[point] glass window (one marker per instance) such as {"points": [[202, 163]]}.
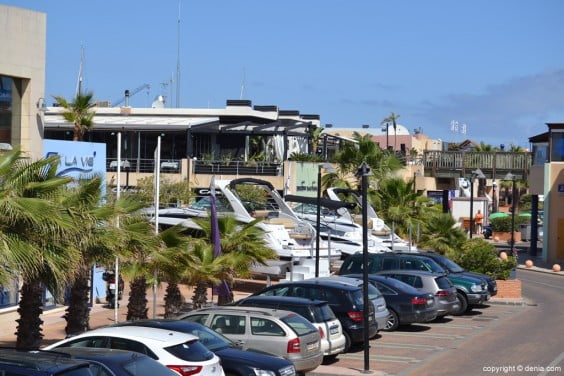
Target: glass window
{"points": [[557, 146], [279, 291], [98, 342], [299, 325], [82, 371], [6, 95], [200, 319], [390, 263], [99, 370], [228, 324], [384, 289], [191, 351], [130, 345], [323, 313], [265, 327], [443, 283], [300, 310], [142, 366], [540, 154]]}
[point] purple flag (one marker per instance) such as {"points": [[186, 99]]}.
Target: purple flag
{"points": [[223, 288]]}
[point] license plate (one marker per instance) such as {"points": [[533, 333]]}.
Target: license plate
{"points": [[334, 330], [112, 286], [312, 346]]}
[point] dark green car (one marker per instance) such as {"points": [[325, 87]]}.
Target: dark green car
{"points": [[470, 290]]}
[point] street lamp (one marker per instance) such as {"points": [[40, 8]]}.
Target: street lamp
{"points": [[364, 172], [328, 168], [512, 177], [480, 175], [494, 197], [385, 128]]}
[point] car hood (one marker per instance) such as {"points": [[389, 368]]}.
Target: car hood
{"points": [[478, 275], [463, 278], [252, 358]]}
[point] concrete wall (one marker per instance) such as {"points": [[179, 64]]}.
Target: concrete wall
{"points": [[22, 55]]}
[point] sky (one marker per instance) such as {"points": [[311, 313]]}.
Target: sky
{"points": [[495, 66]]}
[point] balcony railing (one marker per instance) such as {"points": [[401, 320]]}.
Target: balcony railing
{"points": [[253, 168], [487, 161], [173, 166]]}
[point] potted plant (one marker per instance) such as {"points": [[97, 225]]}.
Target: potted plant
{"points": [[501, 228]]}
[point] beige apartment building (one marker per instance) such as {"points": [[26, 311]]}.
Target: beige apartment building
{"points": [[22, 79]]}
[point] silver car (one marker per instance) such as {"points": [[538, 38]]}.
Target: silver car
{"points": [[277, 332], [436, 284], [381, 312]]}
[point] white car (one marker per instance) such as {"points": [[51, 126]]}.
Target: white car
{"points": [[181, 352]]}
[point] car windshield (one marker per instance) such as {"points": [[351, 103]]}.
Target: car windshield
{"points": [[192, 351], [142, 366], [451, 266], [435, 268], [298, 324], [211, 339], [81, 371], [323, 313]]}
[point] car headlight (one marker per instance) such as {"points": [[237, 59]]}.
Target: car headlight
{"points": [[263, 372], [476, 288]]}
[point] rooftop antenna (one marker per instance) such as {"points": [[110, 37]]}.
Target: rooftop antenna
{"points": [[178, 61], [243, 85], [80, 72]]}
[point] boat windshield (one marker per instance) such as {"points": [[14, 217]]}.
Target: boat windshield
{"points": [[204, 203]]}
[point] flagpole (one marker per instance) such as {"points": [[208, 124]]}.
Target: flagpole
{"points": [[157, 204], [116, 294]]}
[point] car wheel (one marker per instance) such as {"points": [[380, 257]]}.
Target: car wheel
{"points": [[462, 304], [348, 342], [392, 322]]}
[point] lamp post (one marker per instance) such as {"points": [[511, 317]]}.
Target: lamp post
{"points": [[494, 197], [480, 175], [386, 129], [328, 168], [364, 172], [511, 177]]}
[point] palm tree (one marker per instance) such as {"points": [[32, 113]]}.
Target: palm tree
{"points": [[33, 230], [315, 134], [392, 119], [79, 112], [351, 157], [396, 202], [484, 147], [441, 235]]}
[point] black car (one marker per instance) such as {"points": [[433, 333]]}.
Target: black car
{"points": [[234, 361], [470, 290], [406, 304], [453, 268], [346, 301], [39, 363], [111, 362]]}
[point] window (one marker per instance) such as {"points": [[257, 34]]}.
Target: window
{"points": [[557, 146], [200, 319], [384, 289], [228, 324], [265, 327], [299, 325], [130, 345], [281, 291], [443, 283], [390, 263], [191, 351], [142, 366], [98, 342], [99, 370], [413, 264]]}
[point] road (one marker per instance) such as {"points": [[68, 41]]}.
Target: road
{"points": [[533, 337]]}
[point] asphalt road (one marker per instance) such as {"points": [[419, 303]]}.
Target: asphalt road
{"points": [[528, 342]]}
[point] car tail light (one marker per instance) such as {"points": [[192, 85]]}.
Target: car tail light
{"points": [[418, 300], [294, 345], [442, 293], [186, 370], [355, 316], [321, 333]]}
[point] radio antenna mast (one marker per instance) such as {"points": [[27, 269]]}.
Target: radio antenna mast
{"points": [[80, 72], [243, 85], [178, 61]]}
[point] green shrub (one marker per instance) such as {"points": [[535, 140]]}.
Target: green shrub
{"points": [[477, 255], [503, 224]]}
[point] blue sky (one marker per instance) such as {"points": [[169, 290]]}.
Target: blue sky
{"points": [[496, 66]]}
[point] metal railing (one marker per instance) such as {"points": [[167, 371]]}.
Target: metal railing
{"points": [[173, 166], [258, 168], [491, 161]]}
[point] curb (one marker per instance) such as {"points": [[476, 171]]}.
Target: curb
{"points": [[536, 269], [336, 370]]}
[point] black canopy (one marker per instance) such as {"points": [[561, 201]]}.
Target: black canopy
{"points": [[329, 204]]}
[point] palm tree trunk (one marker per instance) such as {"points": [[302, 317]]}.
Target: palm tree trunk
{"points": [[29, 332], [137, 306], [200, 296], [78, 312], [173, 300]]}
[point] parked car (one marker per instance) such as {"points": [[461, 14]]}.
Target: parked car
{"points": [[277, 332], [180, 352], [453, 268], [346, 301], [234, 361], [110, 362], [317, 312], [405, 303], [436, 284], [469, 290], [36, 363]]}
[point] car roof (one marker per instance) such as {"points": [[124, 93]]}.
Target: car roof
{"points": [[320, 282], [411, 272], [169, 337], [39, 360], [284, 300], [95, 353], [167, 324], [256, 310], [387, 280]]}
